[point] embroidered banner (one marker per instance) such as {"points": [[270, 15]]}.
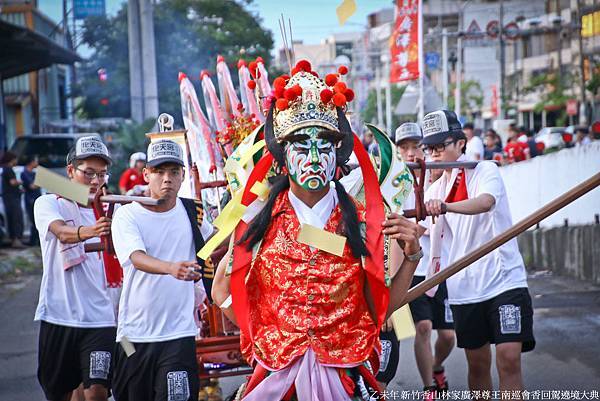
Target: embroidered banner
{"points": [[404, 42]]}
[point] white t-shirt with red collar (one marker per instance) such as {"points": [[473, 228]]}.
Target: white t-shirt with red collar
{"points": [[78, 296], [497, 272]]}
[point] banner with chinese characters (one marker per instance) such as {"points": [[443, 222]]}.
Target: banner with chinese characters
{"points": [[404, 42]]}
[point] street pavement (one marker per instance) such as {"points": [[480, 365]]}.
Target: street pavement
{"points": [[567, 357]]}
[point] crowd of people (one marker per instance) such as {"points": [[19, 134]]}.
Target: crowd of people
{"points": [[13, 190], [317, 260], [520, 143], [142, 347]]}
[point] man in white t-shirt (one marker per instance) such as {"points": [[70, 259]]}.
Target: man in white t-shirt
{"points": [[156, 247], [428, 313], [475, 149], [77, 316], [489, 299]]}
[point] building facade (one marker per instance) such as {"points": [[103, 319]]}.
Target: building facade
{"points": [[35, 99]]}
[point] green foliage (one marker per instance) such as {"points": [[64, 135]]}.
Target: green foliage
{"points": [[552, 90], [594, 84], [369, 113], [130, 138], [471, 94], [184, 41]]}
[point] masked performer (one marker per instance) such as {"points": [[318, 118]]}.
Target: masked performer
{"points": [[310, 314]]}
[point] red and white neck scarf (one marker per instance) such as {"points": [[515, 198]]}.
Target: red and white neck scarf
{"points": [[452, 188]]}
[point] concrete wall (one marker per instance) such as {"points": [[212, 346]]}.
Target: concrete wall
{"points": [[533, 183], [568, 251]]}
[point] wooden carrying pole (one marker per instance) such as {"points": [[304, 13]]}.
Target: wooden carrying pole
{"points": [[506, 236], [128, 199]]}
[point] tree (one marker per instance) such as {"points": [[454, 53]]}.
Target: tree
{"points": [[369, 113], [189, 34], [551, 87], [130, 138], [472, 97]]}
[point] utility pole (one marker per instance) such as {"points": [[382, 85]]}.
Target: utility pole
{"points": [[421, 112], [378, 93], [148, 59], [582, 108], [459, 61], [457, 96], [445, 66], [558, 24], [502, 61], [388, 94], [142, 60], [136, 92], [69, 71]]}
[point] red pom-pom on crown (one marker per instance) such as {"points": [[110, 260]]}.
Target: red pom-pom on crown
{"points": [[304, 65]]}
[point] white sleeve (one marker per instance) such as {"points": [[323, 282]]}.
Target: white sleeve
{"points": [[206, 228], [45, 212], [490, 182], [480, 148], [126, 236]]}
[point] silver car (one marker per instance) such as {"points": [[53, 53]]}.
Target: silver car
{"points": [[551, 137]]}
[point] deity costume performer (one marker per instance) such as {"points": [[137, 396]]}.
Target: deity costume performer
{"points": [[310, 314]]}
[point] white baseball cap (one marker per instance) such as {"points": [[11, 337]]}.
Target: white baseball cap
{"points": [[164, 151], [439, 125], [88, 146], [408, 131]]}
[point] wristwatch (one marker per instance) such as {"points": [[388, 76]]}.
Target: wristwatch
{"points": [[415, 257]]}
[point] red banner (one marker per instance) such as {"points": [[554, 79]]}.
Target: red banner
{"points": [[404, 42], [494, 100]]}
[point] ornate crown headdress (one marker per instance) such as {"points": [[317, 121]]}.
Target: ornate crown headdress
{"points": [[303, 99]]}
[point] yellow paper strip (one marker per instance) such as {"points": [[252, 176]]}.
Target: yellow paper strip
{"points": [[227, 228], [250, 153], [229, 208], [226, 222], [231, 165], [403, 323], [62, 186], [321, 239], [261, 190], [345, 10]]}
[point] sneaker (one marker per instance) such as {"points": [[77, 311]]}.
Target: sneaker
{"points": [[429, 393], [440, 381]]}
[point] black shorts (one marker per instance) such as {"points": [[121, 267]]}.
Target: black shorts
{"points": [[161, 371], [435, 309], [508, 317], [390, 355], [68, 356]]}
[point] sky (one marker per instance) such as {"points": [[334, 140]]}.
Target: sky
{"points": [[312, 20]]}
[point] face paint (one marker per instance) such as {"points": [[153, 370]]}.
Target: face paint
{"points": [[311, 162]]}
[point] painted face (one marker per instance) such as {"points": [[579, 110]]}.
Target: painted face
{"points": [[311, 161]]}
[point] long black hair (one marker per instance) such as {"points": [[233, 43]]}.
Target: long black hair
{"points": [[350, 226]]}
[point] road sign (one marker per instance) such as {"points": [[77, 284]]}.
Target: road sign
{"points": [[473, 31], [432, 60], [511, 30], [492, 29], [87, 8], [571, 107]]}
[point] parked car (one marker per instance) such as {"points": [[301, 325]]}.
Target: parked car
{"points": [[51, 150], [553, 138]]}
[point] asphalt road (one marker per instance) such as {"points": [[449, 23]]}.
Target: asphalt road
{"points": [[567, 355]]}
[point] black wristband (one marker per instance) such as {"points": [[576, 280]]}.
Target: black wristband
{"points": [[78, 236]]}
